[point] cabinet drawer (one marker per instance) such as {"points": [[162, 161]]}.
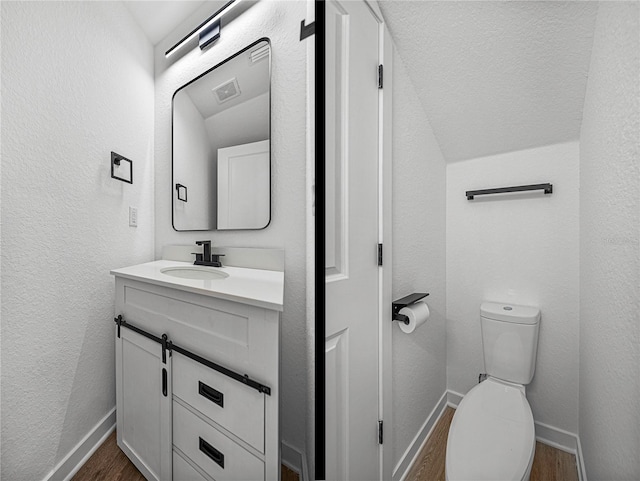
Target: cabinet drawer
{"points": [[232, 405], [183, 471], [212, 451]]}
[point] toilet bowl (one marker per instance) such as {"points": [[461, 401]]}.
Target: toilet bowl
{"points": [[492, 435]]}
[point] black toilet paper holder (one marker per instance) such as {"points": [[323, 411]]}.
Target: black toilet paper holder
{"points": [[404, 302]]}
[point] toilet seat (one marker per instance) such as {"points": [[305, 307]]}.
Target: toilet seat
{"points": [[492, 435]]}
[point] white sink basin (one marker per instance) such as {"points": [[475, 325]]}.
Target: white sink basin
{"points": [[195, 272]]}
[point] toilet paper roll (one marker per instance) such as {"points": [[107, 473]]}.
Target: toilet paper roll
{"points": [[418, 313]]}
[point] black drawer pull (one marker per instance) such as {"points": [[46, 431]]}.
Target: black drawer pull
{"points": [[212, 452], [164, 382], [211, 394]]}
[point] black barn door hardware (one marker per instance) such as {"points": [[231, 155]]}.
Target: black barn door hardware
{"points": [[404, 302], [122, 323], [244, 379], [548, 189], [167, 345]]}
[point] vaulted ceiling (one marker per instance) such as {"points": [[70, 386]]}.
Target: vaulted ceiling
{"points": [[496, 76], [159, 18], [492, 76]]}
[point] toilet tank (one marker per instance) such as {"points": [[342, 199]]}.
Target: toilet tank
{"points": [[510, 340]]}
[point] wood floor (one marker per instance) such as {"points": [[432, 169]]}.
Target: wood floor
{"points": [[549, 464], [109, 463]]}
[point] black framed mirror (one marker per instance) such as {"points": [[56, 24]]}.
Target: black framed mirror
{"points": [[221, 138]]}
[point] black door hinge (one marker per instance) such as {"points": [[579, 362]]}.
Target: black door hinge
{"points": [[380, 75], [379, 254], [380, 433]]}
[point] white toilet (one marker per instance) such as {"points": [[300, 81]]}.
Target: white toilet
{"points": [[492, 436]]}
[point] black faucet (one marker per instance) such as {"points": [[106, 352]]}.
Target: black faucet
{"points": [[207, 258]]}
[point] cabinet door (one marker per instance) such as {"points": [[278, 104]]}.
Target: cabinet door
{"points": [[143, 404]]}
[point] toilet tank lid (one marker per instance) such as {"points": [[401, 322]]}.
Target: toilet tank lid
{"points": [[510, 313]]}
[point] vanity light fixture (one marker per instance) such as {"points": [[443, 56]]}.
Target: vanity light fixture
{"points": [[208, 31]]}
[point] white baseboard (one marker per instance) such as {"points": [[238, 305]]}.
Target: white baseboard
{"points": [[454, 398], [582, 471], [564, 441], [79, 455], [295, 460], [408, 458], [556, 437]]}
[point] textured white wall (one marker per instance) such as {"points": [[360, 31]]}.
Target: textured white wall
{"points": [[521, 249], [419, 369], [610, 249], [280, 21], [77, 82]]}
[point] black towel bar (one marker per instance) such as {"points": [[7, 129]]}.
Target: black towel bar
{"points": [[548, 189]]}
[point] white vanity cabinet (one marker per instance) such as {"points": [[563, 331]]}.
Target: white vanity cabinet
{"points": [[200, 403]]}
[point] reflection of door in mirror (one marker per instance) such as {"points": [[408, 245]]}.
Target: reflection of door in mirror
{"points": [[224, 116], [242, 170]]}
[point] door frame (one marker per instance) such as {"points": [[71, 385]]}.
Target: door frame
{"points": [[316, 123], [385, 235], [385, 272], [386, 324]]}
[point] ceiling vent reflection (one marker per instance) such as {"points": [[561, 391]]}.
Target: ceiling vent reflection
{"points": [[227, 91]]}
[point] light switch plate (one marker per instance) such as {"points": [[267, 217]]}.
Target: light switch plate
{"points": [[133, 217]]}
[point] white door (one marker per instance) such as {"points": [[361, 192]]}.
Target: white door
{"points": [[352, 162], [244, 195]]}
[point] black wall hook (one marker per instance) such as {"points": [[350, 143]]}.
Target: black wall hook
{"points": [[307, 30]]}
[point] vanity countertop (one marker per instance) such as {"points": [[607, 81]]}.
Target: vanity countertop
{"points": [[256, 287]]}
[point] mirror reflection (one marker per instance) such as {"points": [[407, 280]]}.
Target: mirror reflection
{"points": [[221, 145]]}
